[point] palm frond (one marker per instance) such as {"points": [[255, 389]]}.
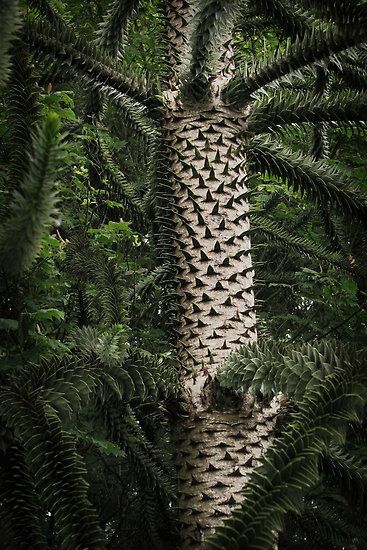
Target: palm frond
{"points": [[317, 181]]}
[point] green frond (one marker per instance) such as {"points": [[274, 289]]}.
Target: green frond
{"points": [[47, 10], [32, 209], [143, 455], [211, 28], [268, 368], [291, 19], [111, 292], [76, 54], [22, 526], [65, 384], [276, 232], [312, 48], [9, 25], [322, 525], [114, 27], [23, 111], [290, 466], [315, 180], [351, 76], [342, 12], [346, 473], [284, 108], [58, 470], [134, 115]]}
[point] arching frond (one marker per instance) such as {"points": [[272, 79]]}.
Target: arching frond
{"points": [[21, 512], [313, 47], [346, 473], [112, 31], [291, 19], [57, 468], [284, 108], [32, 209], [48, 11], [23, 114], [9, 24], [211, 28], [269, 368], [278, 233], [343, 12], [315, 180], [290, 466], [76, 54]]}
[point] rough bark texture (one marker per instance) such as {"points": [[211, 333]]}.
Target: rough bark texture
{"points": [[215, 449], [213, 244], [216, 452]]}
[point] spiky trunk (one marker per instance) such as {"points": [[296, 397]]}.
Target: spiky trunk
{"points": [[215, 448]]}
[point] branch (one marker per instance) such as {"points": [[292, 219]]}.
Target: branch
{"points": [[314, 47], [75, 54], [315, 180]]}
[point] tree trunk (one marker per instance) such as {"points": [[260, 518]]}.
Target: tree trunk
{"points": [[215, 448]]}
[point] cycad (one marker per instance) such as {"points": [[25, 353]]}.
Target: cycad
{"points": [[198, 126]]}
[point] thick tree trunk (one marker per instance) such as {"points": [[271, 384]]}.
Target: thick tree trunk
{"points": [[216, 449], [213, 243]]}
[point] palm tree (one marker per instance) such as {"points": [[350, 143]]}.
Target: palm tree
{"points": [[205, 125]]}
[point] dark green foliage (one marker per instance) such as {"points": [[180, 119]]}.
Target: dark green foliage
{"points": [[211, 28], [285, 108], [284, 15], [317, 181], [290, 466], [272, 230], [23, 112], [32, 208], [112, 30], [311, 48], [10, 23]]}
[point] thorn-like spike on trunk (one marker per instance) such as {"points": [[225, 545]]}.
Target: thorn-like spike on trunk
{"points": [[211, 271], [209, 197], [207, 165], [229, 204], [215, 210], [217, 247], [208, 234], [212, 176]]}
